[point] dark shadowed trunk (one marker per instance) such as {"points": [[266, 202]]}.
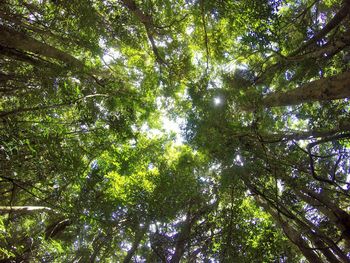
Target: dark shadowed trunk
{"points": [[140, 232], [292, 233]]}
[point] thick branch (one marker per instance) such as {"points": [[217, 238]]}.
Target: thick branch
{"points": [[57, 227], [324, 52], [182, 239]]}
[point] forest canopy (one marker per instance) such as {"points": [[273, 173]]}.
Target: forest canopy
{"points": [[175, 131]]}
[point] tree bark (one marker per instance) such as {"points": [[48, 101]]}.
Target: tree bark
{"points": [[321, 241], [148, 23], [292, 233], [4, 114], [331, 88], [182, 239], [342, 217], [328, 213], [185, 233], [21, 209], [317, 235], [331, 134], [20, 41], [22, 56], [138, 238]]}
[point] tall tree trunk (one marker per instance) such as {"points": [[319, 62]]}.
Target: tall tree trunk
{"points": [[292, 233], [324, 210], [148, 23], [22, 56], [4, 114], [182, 239], [322, 243], [20, 41], [23, 209], [97, 245], [324, 52], [327, 134], [342, 217], [185, 233], [331, 88], [138, 238]]}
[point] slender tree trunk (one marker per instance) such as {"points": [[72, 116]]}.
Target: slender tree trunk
{"points": [[342, 217], [182, 239], [97, 244], [292, 233], [324, 210], [4, 114], [41, 30], [148, 23], [138, 238], [142, 17], [341, 131], [322, 243], [325, 250], [328, 50], [331, 134]]}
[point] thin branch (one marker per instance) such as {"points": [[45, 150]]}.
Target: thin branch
{"points": [[205, 35], [311, 160], [175, 21], [147, 21]]}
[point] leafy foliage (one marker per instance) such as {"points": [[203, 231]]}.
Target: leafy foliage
{"points": [[90, 172]]}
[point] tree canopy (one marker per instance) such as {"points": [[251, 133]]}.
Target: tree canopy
{"points": [[91, 169]]}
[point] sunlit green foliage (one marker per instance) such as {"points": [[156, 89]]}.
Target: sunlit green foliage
{"points": [[89, 173]]}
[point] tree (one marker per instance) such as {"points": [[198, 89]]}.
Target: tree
{"points": [[88, 173]]}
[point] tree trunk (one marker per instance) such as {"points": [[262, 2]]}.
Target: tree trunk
{"points": [[327, 134], [292, 233], [4, 114], [324, 210], [182, 239], [21, 209], [148, 23], [322, 243], [342, 217], [18, 40], [22, 56], [331, 88], [138, 238]]}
